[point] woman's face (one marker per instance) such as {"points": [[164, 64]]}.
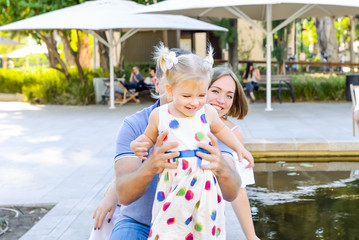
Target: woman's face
{"points": [[221, 93]]}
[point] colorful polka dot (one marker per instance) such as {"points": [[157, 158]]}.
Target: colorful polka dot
{"points": [[208, 185], [171, 221], [157, 237], [181, 192], [219, 198], [214, 230], [189, 195], [166, 205], [199, 136], [160, 196], [184, 164], [214, 215], [175, 188], [174, 124], [218, 232], [188, 221], [214, 179], [189, 171], [165, 139], [150, 235], [198, 227], [203, 118], [166, 177], [194, 180], [189, 236], [197, 204]]}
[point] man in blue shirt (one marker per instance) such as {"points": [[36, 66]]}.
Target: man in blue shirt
{"points": [[136, 180], [136, 80]]}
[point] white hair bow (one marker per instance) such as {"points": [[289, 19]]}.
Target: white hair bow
{"points": [[209, 59], [170, 59]]}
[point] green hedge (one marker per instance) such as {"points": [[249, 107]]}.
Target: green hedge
{"points": [[48, 86], [312, 87]]}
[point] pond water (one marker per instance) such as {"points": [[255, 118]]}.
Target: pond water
{"points": [[306, 200]]}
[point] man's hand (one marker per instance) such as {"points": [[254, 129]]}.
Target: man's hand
{"points": [[159, 159], [228, 179]]}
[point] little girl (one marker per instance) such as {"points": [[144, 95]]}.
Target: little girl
{"points": [[188, 202]]}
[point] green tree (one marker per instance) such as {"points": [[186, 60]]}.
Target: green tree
{"points": [[16, 10]]}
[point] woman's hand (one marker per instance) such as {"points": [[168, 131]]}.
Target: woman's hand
{"points": [[106, 206], [140, 147]]}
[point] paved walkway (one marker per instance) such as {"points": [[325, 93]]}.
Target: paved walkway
{"points": [[62, 155]]}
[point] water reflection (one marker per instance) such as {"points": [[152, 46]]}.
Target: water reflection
{"points": [[311, 201]]}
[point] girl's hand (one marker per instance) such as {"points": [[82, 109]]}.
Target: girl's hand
{"points": [[243, 153], [140, 147]]}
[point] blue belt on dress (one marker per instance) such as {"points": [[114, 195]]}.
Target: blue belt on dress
{"points": [[190, 153]]}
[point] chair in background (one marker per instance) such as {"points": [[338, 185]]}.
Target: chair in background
{"points": [[354, 91], [122, 94], [127, 95]]}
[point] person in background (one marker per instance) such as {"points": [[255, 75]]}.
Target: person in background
{"points": [[136, 80], [149, 81], [251, 77]]}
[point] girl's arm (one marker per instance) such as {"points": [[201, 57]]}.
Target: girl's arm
{"points": [[144, 142], [223, 133]]}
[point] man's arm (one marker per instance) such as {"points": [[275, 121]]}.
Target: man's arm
{"points": [[133, 177], [222, 167]]}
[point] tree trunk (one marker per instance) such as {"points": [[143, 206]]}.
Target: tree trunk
{"points": [[327, 39], [85, 53], [233, 48], [53, 55], [351, 44], [69, 57], [122, 56], [103, 52]]}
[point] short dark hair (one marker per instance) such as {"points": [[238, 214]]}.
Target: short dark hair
{"points": [[178, 52]]}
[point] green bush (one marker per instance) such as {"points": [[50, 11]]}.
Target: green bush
{"points": [[49, 86], [320, 87], [312, 87]]}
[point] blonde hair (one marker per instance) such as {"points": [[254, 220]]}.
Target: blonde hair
{"points": [[184, 67], [239, 108]]}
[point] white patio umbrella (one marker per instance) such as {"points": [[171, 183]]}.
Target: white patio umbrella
{"points": [[23, 52], [262, 10], [6, 41], [108, 15]]}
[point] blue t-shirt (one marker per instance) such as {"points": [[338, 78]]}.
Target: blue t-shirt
{"points": [[133, 126]]}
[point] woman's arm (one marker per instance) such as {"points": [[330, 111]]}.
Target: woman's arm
{"points": [[242, 210], [257, 74]]}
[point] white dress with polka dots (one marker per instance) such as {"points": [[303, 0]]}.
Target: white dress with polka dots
{"points": [[188, 202]]}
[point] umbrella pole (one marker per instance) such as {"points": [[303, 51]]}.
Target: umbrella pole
{"points": [[269, 51], [112, 77]]}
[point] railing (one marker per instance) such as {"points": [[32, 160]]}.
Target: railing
{"points": [[329, 65]]}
